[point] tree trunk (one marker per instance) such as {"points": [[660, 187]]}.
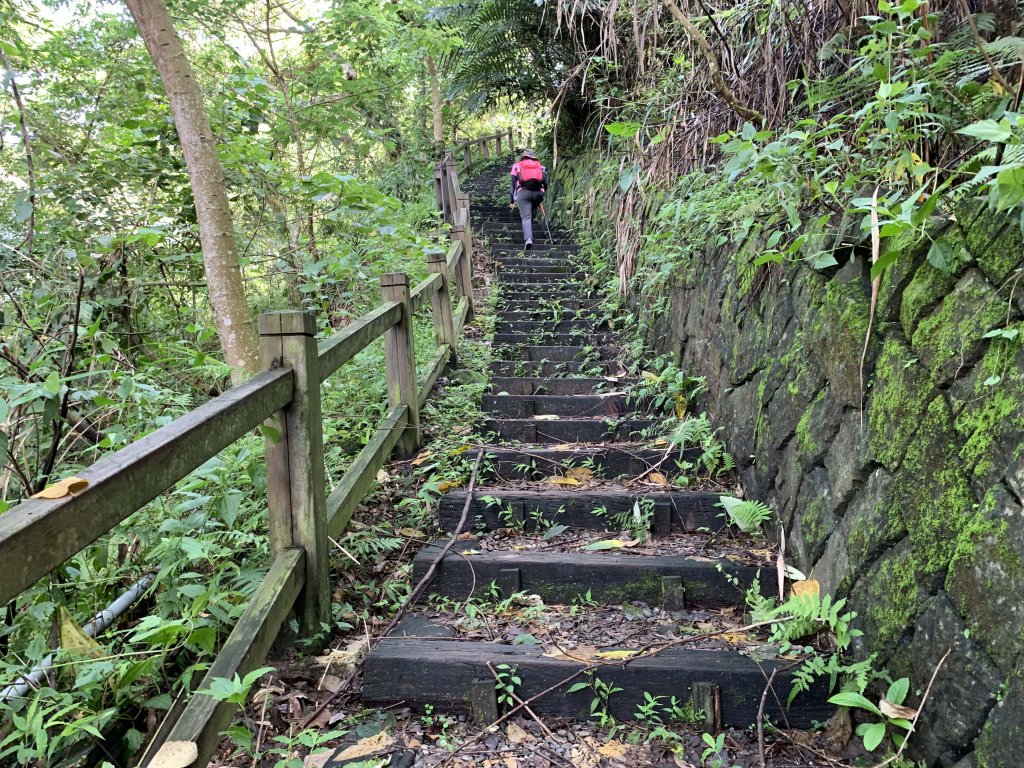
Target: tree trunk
{"points": [[435, 104], [216, 231]]}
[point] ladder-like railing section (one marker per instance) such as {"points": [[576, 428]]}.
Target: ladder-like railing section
{"points": [[39, 535]]}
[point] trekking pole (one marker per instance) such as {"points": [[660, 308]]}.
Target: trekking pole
{"points": [[547, 227]]}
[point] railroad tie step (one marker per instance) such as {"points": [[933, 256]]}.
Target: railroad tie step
{"points": [[611, 462], [613, 404], [673, 510], [566, 430]]}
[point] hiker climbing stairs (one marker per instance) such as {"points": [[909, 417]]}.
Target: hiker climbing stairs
{"points": [[584, 566]]}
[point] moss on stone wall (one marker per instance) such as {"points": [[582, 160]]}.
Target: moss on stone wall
{"points": [[898, 401]]}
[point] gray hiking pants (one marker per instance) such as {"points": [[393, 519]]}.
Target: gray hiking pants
{"points": [[527, 200]]}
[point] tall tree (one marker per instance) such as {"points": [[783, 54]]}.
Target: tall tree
{"points": [[213, 212]]}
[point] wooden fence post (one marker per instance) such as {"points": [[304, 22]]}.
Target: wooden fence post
{"points": [[441, 303], [467, 157], [439, 185], [296, 486], [485, 149], [497, 144], [461, 230], [400, 357]]}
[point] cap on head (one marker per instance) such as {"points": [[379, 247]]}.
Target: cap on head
{"points": [[528, 153]]}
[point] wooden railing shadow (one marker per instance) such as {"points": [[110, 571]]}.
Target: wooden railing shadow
{"points": [[39, 535]]}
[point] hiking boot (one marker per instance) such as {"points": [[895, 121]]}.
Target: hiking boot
{"points": [[528, 245]]}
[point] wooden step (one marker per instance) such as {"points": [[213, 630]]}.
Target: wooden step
{"points": [[563, 280], [567, 430], [540, 352], [540, 338], [675, 511], [532, 385], [446, 673], [548, 326], [552, 368], [560, 578], [594, 406], [561, 268], [608, 462], [539, 246]]}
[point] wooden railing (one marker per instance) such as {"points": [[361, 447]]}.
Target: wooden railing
{"points": [[39, 535], [482, 145]]}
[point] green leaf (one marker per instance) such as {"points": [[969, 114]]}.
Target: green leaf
{"points": [[824, 261], [873, 736], [553, 531], [940, 254], [624, 130], [1009, 188], [898, 690], [578, 687], [525, 639], [599, 546], [854, 699], [987, 130]]}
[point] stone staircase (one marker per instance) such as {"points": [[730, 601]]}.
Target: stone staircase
{"points": [[566, 448]]}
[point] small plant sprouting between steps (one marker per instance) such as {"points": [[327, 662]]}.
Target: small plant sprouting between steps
{"points": [[746, 514], [893, 716], [599, 704], [697, 432], [505, 684], [669, 391]]}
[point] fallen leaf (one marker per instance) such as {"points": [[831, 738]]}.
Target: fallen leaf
{"points": [[895, 710], [613, 749], [680, 407], [176, 754], [734, 637], [517, 735], [561, 447], [658, 478], [563, 481], [616, 654], [73, 637], [447, 485], [367, 746], [383, 476], [546, 417], [69, 486], [511, 761], [421, 457], [600, 546], [584, 654], [528, 600], [465, 536], [469, 552], [806, 588], [411, 533], [648, 376], [330, 683], [580, 473], [461, 449]]}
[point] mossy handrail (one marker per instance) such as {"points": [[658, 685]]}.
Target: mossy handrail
{"points": [[39, 535]]}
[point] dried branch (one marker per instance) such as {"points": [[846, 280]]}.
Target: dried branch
{"points": [[27, 144], [716, 70]]}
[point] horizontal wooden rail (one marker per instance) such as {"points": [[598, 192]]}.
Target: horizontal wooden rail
{"points": [[461, 312], [38, 535], [424, 292], [363, 471], [437, 364], [204, 717], [354, 338], [454, 254]]}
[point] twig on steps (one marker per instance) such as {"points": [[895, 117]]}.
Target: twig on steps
{"points": [[529, 711], [760, 718], [407, 603], [517, 708]]}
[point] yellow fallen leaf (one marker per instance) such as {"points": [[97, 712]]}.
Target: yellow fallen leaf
{"points": [[561, 447], [580, 473], [461, 449], [613, 749], [808, 588], [584, 654], [648, 376], [735, 637], [73, 637], [516, 735], [658, 478], [680, 407], [546, 417], [469, 552], [176, 754], [411, 533], [447, 485], [421, 457], [616, 654], [367, 746], [383, 476], [563, 481], [660, 441], [69, 486]]}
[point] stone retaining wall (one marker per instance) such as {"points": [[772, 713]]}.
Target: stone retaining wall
{"points": [[901, 488]]}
